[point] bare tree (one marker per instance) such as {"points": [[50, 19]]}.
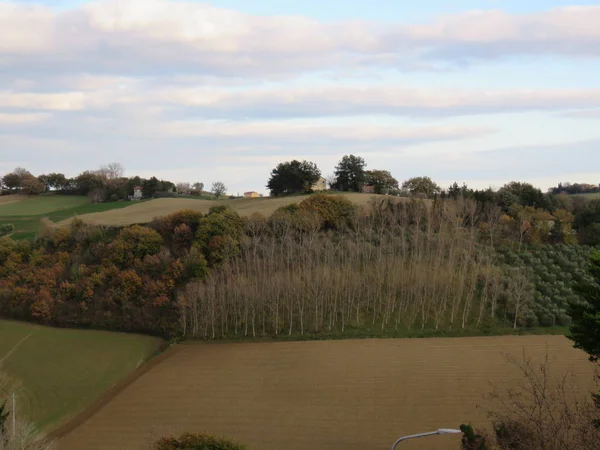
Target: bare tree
{"points": [[399, 266], [331, 180], [521, 291], [183, 188], [25, 436], [546, 411], [112, 170], [219, 188]]}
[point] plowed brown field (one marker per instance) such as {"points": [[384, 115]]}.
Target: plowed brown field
{"points": [[326, 395]]}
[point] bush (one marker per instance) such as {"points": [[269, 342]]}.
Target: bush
{"points": [[590, 235], [220, 221], [6, 229], [336, 211], [195, 265], [135, 242], [196, 442], [542, 412]]}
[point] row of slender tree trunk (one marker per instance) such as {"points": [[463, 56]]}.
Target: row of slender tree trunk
{"points": [[409, 268]]}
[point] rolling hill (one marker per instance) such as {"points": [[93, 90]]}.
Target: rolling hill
{"points": [[57, 373], [147, 211]]}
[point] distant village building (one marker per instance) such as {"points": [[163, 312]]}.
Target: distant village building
{"points": [[368, 189], [320, 185], [251, 194], [137, 193]]}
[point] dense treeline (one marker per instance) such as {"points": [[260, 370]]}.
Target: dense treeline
{"points": [[405, 265], [575, 188], [320, 266], [108, 183], [465, 258], [86, 276]]}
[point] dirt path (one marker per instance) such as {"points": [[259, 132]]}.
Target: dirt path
{"points": [[328, 395]]}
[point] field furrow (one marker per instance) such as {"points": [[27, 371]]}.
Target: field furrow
{"points": [[334, 395]]}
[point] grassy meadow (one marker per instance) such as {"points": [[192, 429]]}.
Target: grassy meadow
{"points": [[25, 213], [56, 373], [590, 196]]}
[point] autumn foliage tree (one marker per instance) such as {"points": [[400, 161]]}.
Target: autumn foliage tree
{"points": [[382, 180], [422, 186]]}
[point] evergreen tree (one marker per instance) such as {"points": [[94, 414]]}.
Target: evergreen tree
{"points": [[585, 330], [350, 173], [293, 177]]}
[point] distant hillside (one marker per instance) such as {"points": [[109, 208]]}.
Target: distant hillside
{"points": [[25, 213], [147, 211], [589, 196]]}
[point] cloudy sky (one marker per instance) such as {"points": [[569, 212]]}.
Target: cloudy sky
{"points": [[480, 91]]}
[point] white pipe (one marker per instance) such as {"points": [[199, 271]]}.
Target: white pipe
{"points": [[431, 433]]}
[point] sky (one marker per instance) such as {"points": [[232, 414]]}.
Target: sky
{"points": [[476, 91]]}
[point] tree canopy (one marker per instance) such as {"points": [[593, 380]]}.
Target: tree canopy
{"points": [[14, 180], [293, 177], [350, 173], [382, 180], [219, 188], [424, 186], [524, 194], [585, 329]]}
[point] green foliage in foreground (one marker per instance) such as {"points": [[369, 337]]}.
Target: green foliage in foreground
{"points": [[6, 228], [56, 373], [196, 442], [585, 331]]}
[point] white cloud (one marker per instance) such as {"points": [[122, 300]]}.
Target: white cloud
{"points": [[584, 114], [25, 29], [107, 93], [189, 91], [294, 132], [65, 101], [361, 100], [134, 36], [19, 119]]}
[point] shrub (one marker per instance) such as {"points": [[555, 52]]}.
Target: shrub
{"points": [[196, 442], [7, 247], [220, 221], [195, 265], [337, 212], [255, 225], [135, 242], [6, 229], [542, 412], [165, 225]]}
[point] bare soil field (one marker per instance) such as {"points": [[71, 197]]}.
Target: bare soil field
{"points": [[321, 395], [147, 211]]}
